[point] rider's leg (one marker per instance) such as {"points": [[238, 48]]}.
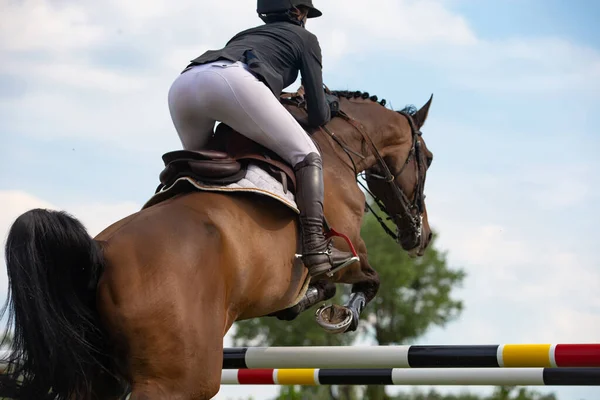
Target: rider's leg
{"points": [[318, 254], [244, 103]]}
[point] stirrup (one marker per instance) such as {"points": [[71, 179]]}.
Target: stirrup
{"points": [[343, 265], [330, 272], [330, 233]]}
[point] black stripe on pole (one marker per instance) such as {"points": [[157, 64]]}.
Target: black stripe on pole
{"points": [[571, 376], [453, 356], [355, 376], [235, 358]]}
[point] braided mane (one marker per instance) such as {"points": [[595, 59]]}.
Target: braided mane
{"points": [[409, 109], [357, 94]]}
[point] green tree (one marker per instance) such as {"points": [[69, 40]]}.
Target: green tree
{"points": [[415, 294]]}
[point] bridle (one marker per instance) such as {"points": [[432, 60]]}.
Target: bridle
{"points": [[410, 213]]}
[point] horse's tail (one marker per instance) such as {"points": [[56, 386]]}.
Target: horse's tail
{"points": [[58, 345]]}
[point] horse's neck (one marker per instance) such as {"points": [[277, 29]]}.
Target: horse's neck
{"points": [[354, 152]]}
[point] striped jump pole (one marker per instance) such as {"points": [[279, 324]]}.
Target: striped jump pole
{"points": [[452, 356], [423, 376]]}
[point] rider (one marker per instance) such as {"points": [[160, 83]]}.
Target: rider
{"points": [[240, 85]]}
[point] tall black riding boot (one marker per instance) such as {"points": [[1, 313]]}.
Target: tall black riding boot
{"points": [[318, 253]]}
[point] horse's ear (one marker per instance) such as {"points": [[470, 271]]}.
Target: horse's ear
{"points": [[421, 115]]}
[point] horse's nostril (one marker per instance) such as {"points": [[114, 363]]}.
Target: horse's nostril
{"points": [[429, 237]]}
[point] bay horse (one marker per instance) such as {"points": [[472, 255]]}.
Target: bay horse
{"points": [[143, 307]]}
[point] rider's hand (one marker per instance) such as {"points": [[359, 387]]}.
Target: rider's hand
{"points": [[334, 104]]}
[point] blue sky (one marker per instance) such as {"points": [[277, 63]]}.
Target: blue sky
{"points": [[513, 190]]}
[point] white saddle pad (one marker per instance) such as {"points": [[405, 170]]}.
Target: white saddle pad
{"points": [[256, 180]]}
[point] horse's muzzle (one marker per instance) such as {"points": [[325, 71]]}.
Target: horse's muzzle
{"points": [[409, 232]]}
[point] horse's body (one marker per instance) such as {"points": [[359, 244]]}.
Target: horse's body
{"points": [[174, 277]]}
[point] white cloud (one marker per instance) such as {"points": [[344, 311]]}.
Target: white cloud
{"points": [[39, 25], [78, 75], [388, 24], [525, 65], [75, 92], [523, 285], [95, 216], [14, 203], [555, 187], [137, 121]]}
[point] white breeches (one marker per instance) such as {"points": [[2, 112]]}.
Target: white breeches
{"points": [[227, 92]]}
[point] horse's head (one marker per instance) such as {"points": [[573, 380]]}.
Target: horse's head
{"points": [[393, 156], [396, 164], [404, 198]]}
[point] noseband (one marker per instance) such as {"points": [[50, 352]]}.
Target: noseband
{"points": [[410, 214]]}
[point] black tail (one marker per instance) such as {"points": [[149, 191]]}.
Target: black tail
{"points": [[58, 347]]}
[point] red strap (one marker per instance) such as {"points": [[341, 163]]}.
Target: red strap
{"points": [[333, 232]]}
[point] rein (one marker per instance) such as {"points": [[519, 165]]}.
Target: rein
{"points": [[356, 174], [411, 212]]}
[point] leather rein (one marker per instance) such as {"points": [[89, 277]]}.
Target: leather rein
{"points": [[410, 214]]}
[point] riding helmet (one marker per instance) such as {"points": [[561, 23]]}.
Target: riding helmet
{"points": [[281, 6]]}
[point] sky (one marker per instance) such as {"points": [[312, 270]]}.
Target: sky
{"points": [[513, 190]]}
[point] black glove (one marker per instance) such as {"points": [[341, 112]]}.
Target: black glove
{"points": [[334, 104]]}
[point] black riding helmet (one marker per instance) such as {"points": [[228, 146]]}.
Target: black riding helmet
{"points": [[265, 7]]}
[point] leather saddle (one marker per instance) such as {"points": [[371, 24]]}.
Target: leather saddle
{"points": [[225, 160]]}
